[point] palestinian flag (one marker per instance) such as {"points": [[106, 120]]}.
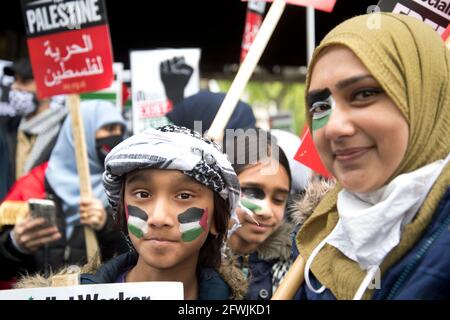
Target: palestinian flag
{"points": [[251, 204], [192, 223], [137, 221]]}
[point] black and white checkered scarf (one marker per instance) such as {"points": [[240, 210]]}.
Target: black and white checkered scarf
{"points": [[173, 148]]}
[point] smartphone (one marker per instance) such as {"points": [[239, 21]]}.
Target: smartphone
{"points": [[43, 208]]}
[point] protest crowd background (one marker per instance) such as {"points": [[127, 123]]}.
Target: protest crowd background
{"points": [[280, 150]]}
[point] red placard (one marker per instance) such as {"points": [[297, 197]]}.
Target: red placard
{"points": [[253, 21], [446, 34], [69, 45]]}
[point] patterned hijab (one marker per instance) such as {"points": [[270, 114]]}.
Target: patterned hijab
{"points": [[172, 148], [62, 174], [411, 63]]}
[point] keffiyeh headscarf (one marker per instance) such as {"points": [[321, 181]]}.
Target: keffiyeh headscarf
{"points": [[173, 148]]}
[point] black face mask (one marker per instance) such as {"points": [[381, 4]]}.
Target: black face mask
{"points": [[105, 145]]}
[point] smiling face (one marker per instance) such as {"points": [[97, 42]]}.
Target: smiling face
{"points": [[265, 196], [359, 132], [169, 217]]}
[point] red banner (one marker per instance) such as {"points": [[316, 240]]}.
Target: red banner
{"points": [[307, 154], [253, 21], [69, 45]]}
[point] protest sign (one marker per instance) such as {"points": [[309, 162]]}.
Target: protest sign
{"points": [[253, 20], [70, 53], [69, 45], [160, 79], [435, 13], [111, 291]]}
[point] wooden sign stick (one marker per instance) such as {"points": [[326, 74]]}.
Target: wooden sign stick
{"points": [[292, 281], [217, 128], [92, 247]]}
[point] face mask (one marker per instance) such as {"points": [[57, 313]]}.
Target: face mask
{"points": [[105, 145], [25, 103]]}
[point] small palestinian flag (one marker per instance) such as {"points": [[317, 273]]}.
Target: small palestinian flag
{"points": [[137, 221], [251, 204], [192, 223]]}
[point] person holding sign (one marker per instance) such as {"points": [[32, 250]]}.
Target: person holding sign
{"points": [[261, 246], [173, 192], [34, 245], [380, 120]]}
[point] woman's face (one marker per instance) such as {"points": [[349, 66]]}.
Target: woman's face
{"points": [[269, 192], [359, 132], [169, 216]]}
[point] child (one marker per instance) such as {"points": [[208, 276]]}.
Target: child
{"points": [[175, 191], [261, 246]]}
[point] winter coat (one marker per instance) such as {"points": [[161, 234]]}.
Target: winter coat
{"points": [[266, 267], [423, 273], [211, 284]]}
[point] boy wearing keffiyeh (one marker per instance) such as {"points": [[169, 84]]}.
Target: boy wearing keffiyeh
{"points": [[174, 192]]}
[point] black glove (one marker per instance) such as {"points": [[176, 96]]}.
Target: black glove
{"points": [[175, 75]]}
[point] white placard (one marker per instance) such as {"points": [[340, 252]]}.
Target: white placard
{"points": [[111, 291], [150, 102]]}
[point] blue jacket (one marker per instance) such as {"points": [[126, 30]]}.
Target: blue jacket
{"points": [[423, 273], [211, 284]]}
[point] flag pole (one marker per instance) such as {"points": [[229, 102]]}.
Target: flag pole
{"points": [[310, 32], [215, 132]]}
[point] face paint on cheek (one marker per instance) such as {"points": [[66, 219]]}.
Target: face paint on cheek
{"points": [[320, 123], [193, 222], [137, 221]]}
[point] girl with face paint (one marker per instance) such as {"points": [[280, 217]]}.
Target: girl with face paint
{"points": [[264, 175], [174, 194]]}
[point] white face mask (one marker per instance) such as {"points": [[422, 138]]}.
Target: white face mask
{"points": [[370, 225], [24, 102]]}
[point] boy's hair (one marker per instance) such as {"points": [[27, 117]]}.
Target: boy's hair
{"points": [[248, 147]]}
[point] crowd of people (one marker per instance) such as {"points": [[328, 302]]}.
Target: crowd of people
{"points": [[229, 218]]}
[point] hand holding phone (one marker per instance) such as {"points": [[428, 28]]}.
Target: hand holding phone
{"points": [[43, 208]]}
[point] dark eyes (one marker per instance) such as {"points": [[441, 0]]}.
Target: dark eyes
{"points": [[320, 109], [142, 194], [184, 196], [253, 193], [364, 94]]}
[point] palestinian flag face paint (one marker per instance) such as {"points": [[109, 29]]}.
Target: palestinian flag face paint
{"points": [[192, 223], [322, 105], [137, 221]]}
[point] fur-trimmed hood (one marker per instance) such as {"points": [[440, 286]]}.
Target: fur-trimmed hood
{"points": [[302, 208], [278, 245]]}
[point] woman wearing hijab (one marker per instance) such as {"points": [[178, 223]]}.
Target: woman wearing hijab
{"points": [[32, 247], [380, 120]]}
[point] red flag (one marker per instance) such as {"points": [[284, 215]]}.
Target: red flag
{"points": [[446, 34], [324, 5], [307, 154]]}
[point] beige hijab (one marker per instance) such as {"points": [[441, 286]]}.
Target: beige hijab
{"points": [[412, 64]]}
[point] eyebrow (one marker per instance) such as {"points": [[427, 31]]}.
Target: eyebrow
{"points": [[322, 94], [258, 186], [136, 178]]}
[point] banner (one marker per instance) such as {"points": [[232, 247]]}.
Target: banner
{"points": [[110, 291], [435, 13], [253, 20], [69, 45], [160, 79]]}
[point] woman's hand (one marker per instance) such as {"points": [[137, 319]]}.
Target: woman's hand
{"points": [[30, 234], [92, 213]]}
